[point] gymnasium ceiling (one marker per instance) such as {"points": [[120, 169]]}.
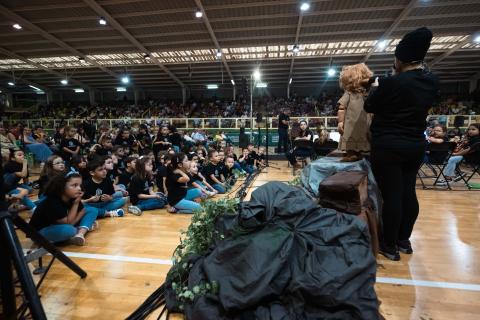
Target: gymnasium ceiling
{"points": [[250, 34]]}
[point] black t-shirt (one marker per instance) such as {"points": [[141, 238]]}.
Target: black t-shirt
{"points": [[281, 117], [176, 139], [103, 151], [12, 167], [176, 190], [124, 142], [49, 211], [306, 133], [161, 174], [71, 144], [210, 169], [125, 178], [92, 188], [159, 147], [138, 186], [112, 174]]}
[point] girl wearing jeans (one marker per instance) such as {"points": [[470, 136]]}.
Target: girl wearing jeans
{"points": [[179, 198], [61, 215], [141, 191]]}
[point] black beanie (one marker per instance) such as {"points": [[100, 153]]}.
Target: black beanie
{"points": [[414, 45]]}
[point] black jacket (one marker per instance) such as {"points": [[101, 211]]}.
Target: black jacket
{"points": [[400, 106]]}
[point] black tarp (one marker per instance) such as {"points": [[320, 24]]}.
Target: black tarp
{"points": [[285, 257]]}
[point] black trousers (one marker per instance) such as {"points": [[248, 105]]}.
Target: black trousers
{"points": [[282, 140], [396, 172]]}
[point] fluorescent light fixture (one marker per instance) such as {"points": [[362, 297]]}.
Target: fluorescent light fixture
{"points": [[290, 81], [477, 39], [233, 82], [257, 75], [296, 49], [0, 91], [198, 13], [35, 88], [146, 56], [102, 21], [64, 82], [262, 85], [305, 6], [212, 86], [40, 92], [125, 79], [382, 44], [331, 72], [219, 53], [17, 26], [10, 83], [81, 59], [79, 90], [121, 89]]}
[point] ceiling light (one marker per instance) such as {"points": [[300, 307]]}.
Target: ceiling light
{"points": [[198, 13], [125, 79], [262, 85], [219, 53], [35, 88], [79, 90], [382, 44], [17, 26], [121, 89], [0, 91], [290, 81], [296, 49], [81, 59], [146, 56], [305, 6], [257, 75], [40, 92], [331, 72], [64, 82], [102, 21], [10, 83], [212, 86], [233, 82], [477, 39]]}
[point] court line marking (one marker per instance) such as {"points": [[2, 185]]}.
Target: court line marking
{"points": [[383, 280]]}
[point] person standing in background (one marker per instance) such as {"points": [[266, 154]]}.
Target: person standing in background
{"points": [[283, 123]]}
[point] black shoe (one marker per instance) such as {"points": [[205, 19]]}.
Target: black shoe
{"points": [[405, 246], [390, 254]]}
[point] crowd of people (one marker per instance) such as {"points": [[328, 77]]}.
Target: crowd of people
{"points": [[117, 172]]}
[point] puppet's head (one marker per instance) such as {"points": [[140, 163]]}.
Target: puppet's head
{"points": [[354, 78]]}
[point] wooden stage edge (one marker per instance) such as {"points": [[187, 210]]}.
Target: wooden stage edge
{"points": [[128, 258]]}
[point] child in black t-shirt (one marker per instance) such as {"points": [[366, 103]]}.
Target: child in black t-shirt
{"points": [[15, 170], [213, 173], [61, 216], [99, 192], [228, 171], [69, 145], [161, 171], [141, 191], [118, 158], [197, 180], [260, 159], [246, 162], [124, 178], [79, 164], [180, 198], [53, 166]]}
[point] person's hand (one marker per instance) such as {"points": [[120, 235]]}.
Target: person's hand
{"points": [[124, 193], [94, 199], [79, 198], [375, 83], [106, 197], [340, 128]]}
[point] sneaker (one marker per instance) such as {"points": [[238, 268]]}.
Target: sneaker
{"points": [[135, 210], [95, 226], [171, 210], [459, 177], [390, 254], [405, 246], [77, 240], [115, 213]]}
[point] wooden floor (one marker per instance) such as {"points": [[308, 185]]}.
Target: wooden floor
{"points": [[127, 259]]}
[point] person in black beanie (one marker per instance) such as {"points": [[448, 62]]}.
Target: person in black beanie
{"points": [[400, 104]]}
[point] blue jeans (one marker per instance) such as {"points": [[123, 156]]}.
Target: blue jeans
{"points": [[452, 165], [103, 207], [248, 168], [193, 193], [63, 232], [150, 204], [219, 188], [187, 206], [25, 200]]}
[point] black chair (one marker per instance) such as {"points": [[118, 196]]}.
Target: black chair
{"points": [[471, 159], [307, 147], [437, 159], [323, 149]]}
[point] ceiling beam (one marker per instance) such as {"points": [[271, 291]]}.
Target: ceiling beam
{"points": [[214, 38], [12, 15], [448, 53], [28, 82], [39, 66], [405, 12], [297, 35], [115, 24]]}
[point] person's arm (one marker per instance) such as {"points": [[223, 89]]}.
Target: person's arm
{"points": [[184, 178], [73, 215], [24, 172], [462, 152], [91, 199], [435, 140], [214, 179]]}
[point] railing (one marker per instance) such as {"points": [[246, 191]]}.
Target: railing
{"points": [[330, 123]]}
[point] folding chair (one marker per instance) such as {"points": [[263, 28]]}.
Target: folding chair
{"points": [[472, 159], [306, 145], [325, 148], [438, 155]]}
